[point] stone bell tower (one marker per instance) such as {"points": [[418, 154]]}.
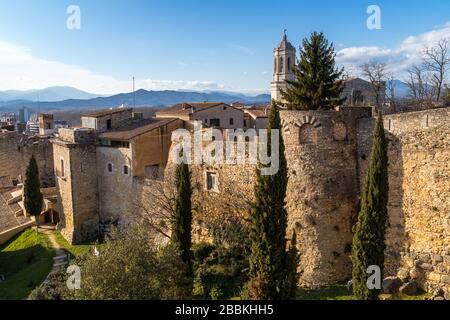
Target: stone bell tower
{"points": [[284, 59]]}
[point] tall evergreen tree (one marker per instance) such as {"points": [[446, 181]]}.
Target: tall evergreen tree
{"points": [[292, 275], [182, 223], [318, 83], [33, 199], [268, 259], [369, 238]]}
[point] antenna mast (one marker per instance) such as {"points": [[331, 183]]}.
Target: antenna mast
{"points": [[134, 95]]}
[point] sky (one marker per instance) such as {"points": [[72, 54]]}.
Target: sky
{"points": [[198, 44]]}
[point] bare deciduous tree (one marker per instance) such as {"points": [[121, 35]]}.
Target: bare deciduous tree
{"points": [[437, 61], [376, 73], [155, 204], [421, 92], [391, 87]]}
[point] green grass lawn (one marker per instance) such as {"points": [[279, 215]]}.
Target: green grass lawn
{"points": [[25, 262], [73, 250]]}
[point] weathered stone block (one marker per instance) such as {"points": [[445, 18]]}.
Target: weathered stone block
{"points": [[409, 289], [433, 276], [391, 285], [415, 274], [403, 274], [426, 266]]}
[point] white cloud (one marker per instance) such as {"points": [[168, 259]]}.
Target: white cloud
{"points": [[399, 58], [20, 70]]}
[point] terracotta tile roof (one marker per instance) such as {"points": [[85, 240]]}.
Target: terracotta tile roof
{"points": [[135, 129], [258, 112], [8, 219], [102, 113], [187, 108]]}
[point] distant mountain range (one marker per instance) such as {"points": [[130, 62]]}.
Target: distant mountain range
{"points": [[401, 89], [71, 98], [50, 94], [140, 98]]}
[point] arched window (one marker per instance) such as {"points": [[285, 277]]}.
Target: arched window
{"points": [[280, 65], [308, 134], [289, 64], [274, 65], [109, 167], [339, 131]]}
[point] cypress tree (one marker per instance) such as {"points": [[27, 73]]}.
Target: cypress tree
{"points": [[369, 237], [318, 84], [292, 275], [268, 258], [32, 196], [182, 223]]}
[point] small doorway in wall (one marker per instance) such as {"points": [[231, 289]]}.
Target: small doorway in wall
{"points": [[108, 124]]}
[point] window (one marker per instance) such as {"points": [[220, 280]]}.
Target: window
{"points": [[211, 181], [308, 134], [120, 144], [289, 64], [224, 108], [62, 168], [214, 122], [125, 170], [108, 124], [231, 121], [245, 123], [110, 167]]}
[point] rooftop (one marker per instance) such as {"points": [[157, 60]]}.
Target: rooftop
{"points": [[8, 218], [103, 113], [187, 108], [285, 44], [135, 128], [258, 112]]}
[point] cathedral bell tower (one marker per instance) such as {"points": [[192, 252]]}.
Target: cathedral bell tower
{"points": [[284, 59]]}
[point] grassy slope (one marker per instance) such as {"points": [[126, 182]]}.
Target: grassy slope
{"points": [[74, 250], [25, 262]]}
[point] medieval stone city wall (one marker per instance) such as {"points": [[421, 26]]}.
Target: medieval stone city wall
{"points": [[418, 237], [322, 197], [15, 152], [323, 189]]}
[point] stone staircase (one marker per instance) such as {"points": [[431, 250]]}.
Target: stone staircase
{"points": [[59, 261]]}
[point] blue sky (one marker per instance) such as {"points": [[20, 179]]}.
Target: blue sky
{"points": [[197, 44]]}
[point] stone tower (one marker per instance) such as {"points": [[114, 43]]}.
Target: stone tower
{"points": [[284, 59], [75, 164]]}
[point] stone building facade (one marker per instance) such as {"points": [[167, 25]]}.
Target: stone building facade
{"points": [[99, 168], [15, 152], [76, 181]]}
